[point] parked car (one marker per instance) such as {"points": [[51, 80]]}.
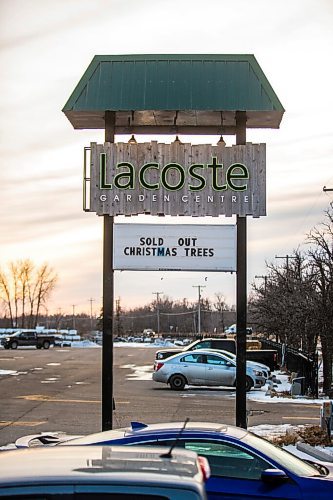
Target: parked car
{"points": [[203, 367], [88, 472], [259, 366], [28, 338], [226, 344], [243, 466], [268, 357]]}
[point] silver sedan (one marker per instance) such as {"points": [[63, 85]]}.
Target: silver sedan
{"points": [[203, 367]]}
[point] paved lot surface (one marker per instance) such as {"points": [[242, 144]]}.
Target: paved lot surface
{"points": [[60, 390]]}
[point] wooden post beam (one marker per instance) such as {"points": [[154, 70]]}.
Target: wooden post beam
{"points": [[241, 296], [108, 299]]}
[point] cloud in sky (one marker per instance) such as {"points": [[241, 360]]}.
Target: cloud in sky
{"points": [[45, 47]]}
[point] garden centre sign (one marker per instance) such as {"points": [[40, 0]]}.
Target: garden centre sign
{"points": [[181, 247], [177, 179]]}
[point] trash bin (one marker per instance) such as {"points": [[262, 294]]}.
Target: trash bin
{"points": [[297, 386], [326, 416]]}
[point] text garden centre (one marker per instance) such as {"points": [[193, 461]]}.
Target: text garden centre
{"points": [[129, 198]]}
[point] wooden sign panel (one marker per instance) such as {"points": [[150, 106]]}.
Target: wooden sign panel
{"points": [[178, 179]]}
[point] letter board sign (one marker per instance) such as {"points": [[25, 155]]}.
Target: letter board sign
{"points": [[174, 247]]}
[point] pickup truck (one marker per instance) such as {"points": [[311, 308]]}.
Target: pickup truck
{"points": [[27, 338], [267, 357]]}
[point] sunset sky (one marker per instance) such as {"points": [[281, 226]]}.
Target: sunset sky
{"points": [[45, 48]]}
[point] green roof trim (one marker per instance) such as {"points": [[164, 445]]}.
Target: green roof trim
{"points": [[201, 85]]}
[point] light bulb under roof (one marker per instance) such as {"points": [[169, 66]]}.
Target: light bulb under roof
{"points": [[132, 140]]}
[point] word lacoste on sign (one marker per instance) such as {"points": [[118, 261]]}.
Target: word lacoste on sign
{"points": [[177, 179]]}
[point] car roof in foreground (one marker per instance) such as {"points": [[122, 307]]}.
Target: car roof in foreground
{"points": [[98, 464], [161, 429]]}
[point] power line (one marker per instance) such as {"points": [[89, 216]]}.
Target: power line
{"points": [[287, 257], [177, 314]]}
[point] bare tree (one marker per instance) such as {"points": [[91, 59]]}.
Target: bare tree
{"points": [[296, 303], [321, 255], [221, 306], [25, 283], [5, 294], [24, 278], [15, 272], [285, 305], [45, 283]]}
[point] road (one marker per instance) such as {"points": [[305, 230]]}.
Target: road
{"points": [[60, 390]]}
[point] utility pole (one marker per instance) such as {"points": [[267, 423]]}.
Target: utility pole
{"points": [[73, 317], [91, 315], [59, 318], [117, 318], [47, 317], [199, 307], [265, 278], [158, 310], [287, 257]]}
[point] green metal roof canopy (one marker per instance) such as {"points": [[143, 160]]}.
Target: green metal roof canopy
{"points": [[167, 94]]}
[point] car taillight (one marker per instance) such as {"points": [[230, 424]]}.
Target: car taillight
{"points": [[158, 366], [204, 467]]}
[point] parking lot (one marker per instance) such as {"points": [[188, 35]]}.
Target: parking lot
{"points": [[60, 390]]}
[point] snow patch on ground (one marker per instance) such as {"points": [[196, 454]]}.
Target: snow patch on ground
{"points": [[8, 372], [263, 430], [139, 372], [84, 344]]}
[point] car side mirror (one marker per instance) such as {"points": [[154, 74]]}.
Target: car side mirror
{"points": [[273, 476], [228, 363]]}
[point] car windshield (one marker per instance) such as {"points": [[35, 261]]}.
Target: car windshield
{"points": [[229, 355], [282, 457], [193, 345]]}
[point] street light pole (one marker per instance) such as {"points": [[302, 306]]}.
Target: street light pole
{"points": [[199, 306], [158, 310]]}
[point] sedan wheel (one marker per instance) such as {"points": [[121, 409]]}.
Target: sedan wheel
{"points": [[14, 345], [177, 382], [249, 384]]}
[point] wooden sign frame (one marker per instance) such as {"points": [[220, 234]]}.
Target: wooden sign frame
{"points": [[177, 179]]}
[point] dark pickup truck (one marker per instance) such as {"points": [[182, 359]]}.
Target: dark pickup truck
{"points": [[267, 357], [27, 338]]}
